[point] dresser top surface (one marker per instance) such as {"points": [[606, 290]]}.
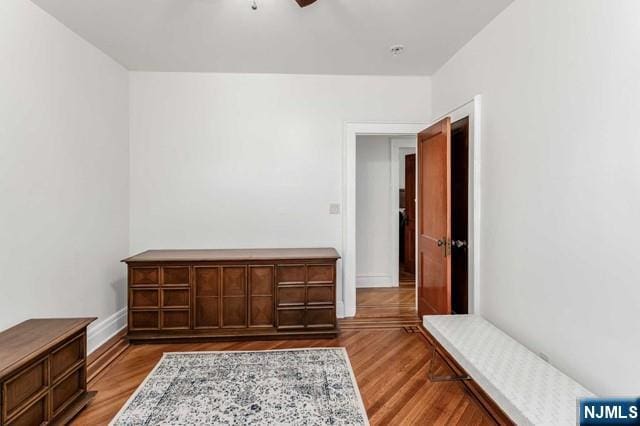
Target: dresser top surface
{"points": [[26, 341], [232, 254]]}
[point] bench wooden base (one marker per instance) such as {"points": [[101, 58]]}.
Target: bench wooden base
{"points": [[459, 374]]}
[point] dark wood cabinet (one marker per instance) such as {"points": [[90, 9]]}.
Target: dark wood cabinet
{"points": [[43, 370], [222, 294]]}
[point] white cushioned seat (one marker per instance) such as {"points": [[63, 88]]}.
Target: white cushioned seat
{"points": [[528, 389]]}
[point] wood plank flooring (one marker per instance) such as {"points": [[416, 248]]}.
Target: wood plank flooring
{"points": [[388, 302], [390, 366]]}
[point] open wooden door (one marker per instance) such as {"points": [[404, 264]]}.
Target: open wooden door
{"points": [[434, 223]]}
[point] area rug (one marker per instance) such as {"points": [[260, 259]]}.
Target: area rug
{"points": [[284, 387]]}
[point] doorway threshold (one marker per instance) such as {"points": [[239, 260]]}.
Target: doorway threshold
{"points": [[386, 307]]}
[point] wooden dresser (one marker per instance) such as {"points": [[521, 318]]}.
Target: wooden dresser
{"points": [[43, 370], [224, 294]]}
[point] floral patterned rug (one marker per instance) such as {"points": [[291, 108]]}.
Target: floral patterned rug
{"points": [[284, 387]]}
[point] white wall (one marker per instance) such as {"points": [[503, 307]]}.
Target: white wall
{"points": [[249, 160], [560, 180], [374, 248], [63, 171]]}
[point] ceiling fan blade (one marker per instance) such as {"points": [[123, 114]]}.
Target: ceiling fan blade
{"points": [[303, 3]]}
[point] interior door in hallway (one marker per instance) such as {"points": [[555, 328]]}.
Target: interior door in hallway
{"points": [[410, 208], [434, 223]]}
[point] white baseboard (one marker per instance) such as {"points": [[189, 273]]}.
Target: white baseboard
{"points": [[102, 330], [374, 280], [340, 309]]}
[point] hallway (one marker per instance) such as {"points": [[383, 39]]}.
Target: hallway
{"points": [[386, 307]]}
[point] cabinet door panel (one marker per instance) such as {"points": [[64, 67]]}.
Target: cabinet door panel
{"points": [[207, 297], [261, 311], [206, 315], [234, 296], [261, 280], [207, 282], [234, 281], [234, 312], [261, 306]]}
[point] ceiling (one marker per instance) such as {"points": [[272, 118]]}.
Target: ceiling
{"points": [[328, 37]]}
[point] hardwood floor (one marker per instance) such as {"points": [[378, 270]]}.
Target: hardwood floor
{"points": [[407, 278], [390, 366], [388, 302]]}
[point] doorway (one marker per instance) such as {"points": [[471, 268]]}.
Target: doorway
{"points": [[407, 218], [385, 227], [346, 279], [444, 217]]}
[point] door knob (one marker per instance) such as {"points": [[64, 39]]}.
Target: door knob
{"points": [[459, 243], [440, 243]]}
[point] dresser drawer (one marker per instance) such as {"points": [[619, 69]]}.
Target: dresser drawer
{"points": [[320, 294], [175, 319], [24, 386], [289, 318], [321, 274], [176, 275], [144, 298], [65, 392], [291, 295], [144, 320], [144, 276], [175, 298], [69, 354], [321, 317], [35, 414], [291, 274]]}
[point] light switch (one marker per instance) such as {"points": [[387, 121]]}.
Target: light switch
{"points": [[334, 208]]}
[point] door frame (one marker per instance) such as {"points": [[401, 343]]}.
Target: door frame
{"points": [[396, 144], [351, 132], [471, 109]]}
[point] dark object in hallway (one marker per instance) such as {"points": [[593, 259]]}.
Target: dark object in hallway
{"points": [[43, 370], [409, 247], [230, 294], [402, 220]]}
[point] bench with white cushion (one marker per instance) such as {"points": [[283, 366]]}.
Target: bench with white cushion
{"points": [[527, 389]]}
